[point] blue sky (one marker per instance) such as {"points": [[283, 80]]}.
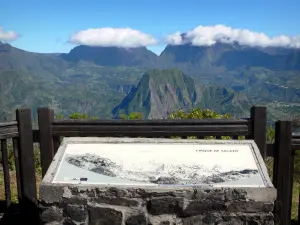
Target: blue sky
{"points": [[46, 25]]}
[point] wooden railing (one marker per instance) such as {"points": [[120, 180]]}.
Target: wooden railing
{"points": [[50, 131], [19, 133]]}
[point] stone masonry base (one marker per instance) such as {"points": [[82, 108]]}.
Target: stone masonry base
{"points": [[132, 206]]}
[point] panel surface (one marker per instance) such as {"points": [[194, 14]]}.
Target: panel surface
{"points": [[216, 163]]}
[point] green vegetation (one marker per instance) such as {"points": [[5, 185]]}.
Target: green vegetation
{"points": [[198, 114], [160, 92], [132, 116], [104, 82], [76, 116]]}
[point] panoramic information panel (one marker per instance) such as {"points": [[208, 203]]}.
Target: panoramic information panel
{"points": [[216, 163]]}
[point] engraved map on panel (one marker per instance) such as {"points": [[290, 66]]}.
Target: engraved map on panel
{"points": [[159, 164]]}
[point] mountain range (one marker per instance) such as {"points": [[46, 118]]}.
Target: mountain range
{"points": [[107, 81]]}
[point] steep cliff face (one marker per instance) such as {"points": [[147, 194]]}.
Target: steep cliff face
{"points": [[161, 92], [158, 93]]}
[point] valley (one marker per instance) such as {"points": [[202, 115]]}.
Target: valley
{"points": [[109, 81]]}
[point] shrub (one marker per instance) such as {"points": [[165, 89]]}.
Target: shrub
{"points": [[132, 116]]}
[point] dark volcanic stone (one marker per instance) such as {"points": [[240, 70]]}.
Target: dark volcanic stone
{"points": [[193, 220], [199, 207], [164, 205], [116, 201], [235, 194], [55, 223], [68, 221], [77, 212], [52, 214], [165, 223], [76, 200], [104, 216], [250, 207], [136, 220]]}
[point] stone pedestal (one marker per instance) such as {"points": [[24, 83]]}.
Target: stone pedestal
{"points": [[156, 206], [206, 182]]}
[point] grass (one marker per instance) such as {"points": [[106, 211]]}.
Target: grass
{"points": [[13, 185], [295, 201], [14, 193], [296, 186]]}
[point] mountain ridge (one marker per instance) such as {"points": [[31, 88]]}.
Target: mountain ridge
{"points": [[187, 57], [77, 85], [111, 56]]}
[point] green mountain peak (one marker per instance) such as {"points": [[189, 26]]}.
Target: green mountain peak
{"points": [[160, 92]]}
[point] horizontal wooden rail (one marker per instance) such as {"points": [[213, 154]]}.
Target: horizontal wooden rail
{"points": [[296, 135], [152, 128], [9, 130], [295, 141], [225, 130], [157, 122], [10, 123]]}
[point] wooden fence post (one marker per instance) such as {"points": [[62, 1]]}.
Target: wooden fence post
{"points": [[45, 118], [259, 126], [17, 163], [283, 168], [56, 143], [27, 173]]}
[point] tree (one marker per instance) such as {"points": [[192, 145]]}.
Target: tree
{"points": [[77, 116], [197, 114]]}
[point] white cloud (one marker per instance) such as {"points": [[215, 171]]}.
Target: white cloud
{"points": [[7, 36], [209, 35], [174, 39], [119, 37]]}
